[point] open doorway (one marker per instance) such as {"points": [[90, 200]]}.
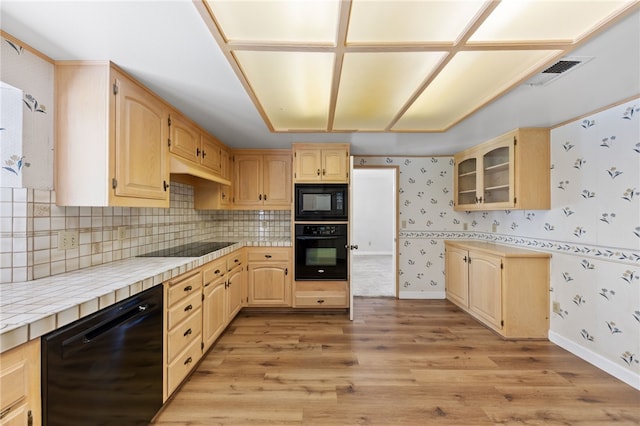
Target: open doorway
{"points": [[374, 222]]}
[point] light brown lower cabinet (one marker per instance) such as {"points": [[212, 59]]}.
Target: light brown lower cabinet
{"points": [[269, 276], [20, 385], [506, 288], [214, 301]]}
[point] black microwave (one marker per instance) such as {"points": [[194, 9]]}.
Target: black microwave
{"points": [[319, 202]]}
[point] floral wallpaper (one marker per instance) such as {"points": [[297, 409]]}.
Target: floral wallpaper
{"points": [[592, 231], [28, 164]]}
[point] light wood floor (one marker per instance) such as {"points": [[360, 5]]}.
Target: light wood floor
{"points": [[401, 362]]}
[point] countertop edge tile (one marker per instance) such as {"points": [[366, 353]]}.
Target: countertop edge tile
{"points": [[84, 291]]}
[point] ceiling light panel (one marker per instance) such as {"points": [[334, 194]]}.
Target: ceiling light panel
{"points": [[410, 21], [293, 88], [470, 80], [535, 20], [375, 86], [277, 21]]}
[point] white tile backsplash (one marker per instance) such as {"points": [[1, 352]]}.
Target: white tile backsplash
{"points": [[35, 233]]}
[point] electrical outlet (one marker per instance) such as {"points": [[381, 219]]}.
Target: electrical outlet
{"points": [[465, 226], [494, 227], [67, 240], [122, 233], [556, 307]]}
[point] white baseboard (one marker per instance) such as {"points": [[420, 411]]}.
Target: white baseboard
{"points": [[372, 253], [597, 360], [422, 295]]}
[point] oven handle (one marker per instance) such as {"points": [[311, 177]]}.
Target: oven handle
{"points": [[320, 237]]}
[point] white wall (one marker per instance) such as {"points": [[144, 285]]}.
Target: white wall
{"points": [[373, 193]]}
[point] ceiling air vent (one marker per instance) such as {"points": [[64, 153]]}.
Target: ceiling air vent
{"points": [[556, 70]]}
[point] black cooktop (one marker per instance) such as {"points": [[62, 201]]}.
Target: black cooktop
{"points": [[190, 250]]}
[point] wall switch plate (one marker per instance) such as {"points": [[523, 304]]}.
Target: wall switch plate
{"points": [[556, 307], [494, 227], [122, 233], [67, 240]]}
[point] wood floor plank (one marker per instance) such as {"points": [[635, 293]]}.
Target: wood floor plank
{"points": [[401, 362]]}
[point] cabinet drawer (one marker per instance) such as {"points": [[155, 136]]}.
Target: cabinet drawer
{"points": [[214, 270], [321, 300], [13, 385], [183, 334], [321, 294], [183, 309], [269, 254], [182, 365], [182, 288], [233, 260]]}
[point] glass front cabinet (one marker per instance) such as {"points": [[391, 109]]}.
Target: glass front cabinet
{"points": [[511, 171]]}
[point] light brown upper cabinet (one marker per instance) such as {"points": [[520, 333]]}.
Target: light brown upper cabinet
{"points": [[191, 143], [262, 179], [111, 139], [320, 162], [511, 171]]}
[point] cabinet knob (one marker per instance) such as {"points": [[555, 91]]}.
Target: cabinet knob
{"points": [[265, 197], [188, 288], [204, 154], [321, 301], [187, 333], [260, 197], [188, 361], [197, 152], [268, 256], [324, 172], [188, 308], [318, 172]]}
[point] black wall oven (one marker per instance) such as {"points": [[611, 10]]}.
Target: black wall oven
{"points": [[321, 252], [319, 202]]}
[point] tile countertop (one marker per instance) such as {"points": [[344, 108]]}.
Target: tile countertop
{"points": [[31, 309]]}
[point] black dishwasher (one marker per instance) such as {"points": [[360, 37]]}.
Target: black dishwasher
{"points": [[106, 369]]}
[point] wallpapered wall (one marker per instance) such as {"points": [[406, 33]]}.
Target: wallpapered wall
{"points": [[27, 161], [592, 231]]}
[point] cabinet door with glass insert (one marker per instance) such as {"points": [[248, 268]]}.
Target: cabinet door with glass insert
{"points": [[466, 172], [498, 174]]}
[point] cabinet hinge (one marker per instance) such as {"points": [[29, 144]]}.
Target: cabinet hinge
{"points": [[501, 323], [515, 141], [114, 183], [168, 141], [501, 265], [515, 200], [29, 418], [115, 88], [201, 345], [169, 121], [286, 271]]}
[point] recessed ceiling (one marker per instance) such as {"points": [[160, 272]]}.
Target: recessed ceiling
{"points": [[393, 66]]}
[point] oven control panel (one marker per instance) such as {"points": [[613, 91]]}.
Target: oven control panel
{"points": [[321, 229]]}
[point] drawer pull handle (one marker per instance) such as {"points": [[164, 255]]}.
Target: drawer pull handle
{"points": [[236, 260], [187, 333], [188, 308], [217, 271], [188, 288], [320, 301], [188, 361], [268, 256]]}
